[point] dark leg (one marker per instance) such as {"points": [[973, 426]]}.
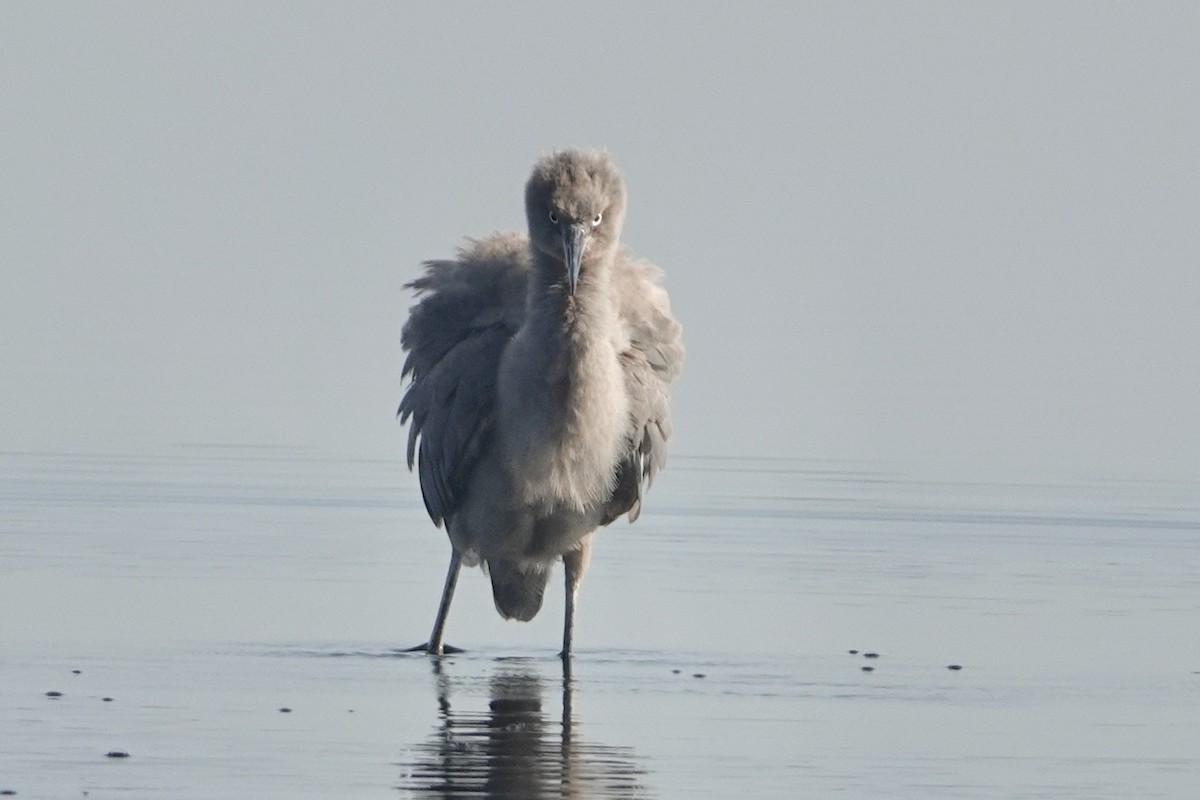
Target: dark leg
{"points": [[576, 564], [436, 645]]}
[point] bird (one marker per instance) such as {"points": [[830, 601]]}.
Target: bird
{"points": [[538, 401]]}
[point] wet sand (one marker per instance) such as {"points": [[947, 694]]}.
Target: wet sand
{"points": [[225, 623]]}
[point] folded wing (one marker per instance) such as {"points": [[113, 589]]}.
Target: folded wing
{"points": [[652, 360], [468, 309]]}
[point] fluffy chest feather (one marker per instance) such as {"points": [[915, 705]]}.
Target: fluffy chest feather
{"points": [[564, 418]]}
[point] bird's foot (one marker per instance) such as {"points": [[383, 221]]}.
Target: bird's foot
{"points": [[445, 650]]}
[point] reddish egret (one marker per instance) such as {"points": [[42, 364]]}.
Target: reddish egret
{"points": [[539, 397]]}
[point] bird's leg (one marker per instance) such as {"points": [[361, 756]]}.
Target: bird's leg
{"points": [[436, 645], [576, 563]]}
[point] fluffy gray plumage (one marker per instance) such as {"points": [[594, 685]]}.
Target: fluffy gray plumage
{"points": [[539, 405]]}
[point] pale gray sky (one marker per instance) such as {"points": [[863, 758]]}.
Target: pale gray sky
{"points": [[932, 232]]}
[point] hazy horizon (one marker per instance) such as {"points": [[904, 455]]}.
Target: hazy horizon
{"points": [[940, 234]]}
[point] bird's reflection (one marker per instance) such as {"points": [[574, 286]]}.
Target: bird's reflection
{"points": [[515, 749]]}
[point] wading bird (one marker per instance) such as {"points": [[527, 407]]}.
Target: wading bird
{"points": [[539, 405]]}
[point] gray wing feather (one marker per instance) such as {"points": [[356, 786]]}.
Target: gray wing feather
{"points": [[652, 360], [468, 310]]}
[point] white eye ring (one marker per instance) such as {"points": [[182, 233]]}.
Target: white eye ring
{"points": [[596, 220], [553, 217]]}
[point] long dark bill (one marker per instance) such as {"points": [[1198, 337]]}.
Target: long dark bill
{"points": [[575, 240]]}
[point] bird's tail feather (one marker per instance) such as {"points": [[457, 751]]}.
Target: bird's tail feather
{"points": [[518, 589]]}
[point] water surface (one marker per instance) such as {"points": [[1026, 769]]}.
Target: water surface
{"points": [[206, 590]]}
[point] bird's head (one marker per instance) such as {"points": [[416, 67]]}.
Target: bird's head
{"points": [[575, 203]]}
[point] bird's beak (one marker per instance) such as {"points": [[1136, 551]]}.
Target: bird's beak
{"points": [[575, 240]]}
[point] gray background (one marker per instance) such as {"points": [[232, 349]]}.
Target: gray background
{"points": [[950, 235]]}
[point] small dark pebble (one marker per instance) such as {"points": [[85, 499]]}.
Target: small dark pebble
{"points": [[870, 655], [699, 675], [106, 699], [853, 652], [53, 694], [117, 754], [76, 672], [868, 669], [675, 672], [955, 667], [285, 710], [8, 792]]}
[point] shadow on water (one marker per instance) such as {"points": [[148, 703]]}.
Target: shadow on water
{"points": [[515, 749]]}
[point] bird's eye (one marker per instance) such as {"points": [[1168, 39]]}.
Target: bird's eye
{"points": [[596, 219], [553, 217]]}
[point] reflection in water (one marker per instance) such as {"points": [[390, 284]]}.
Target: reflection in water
{"points": [[513, 750]]}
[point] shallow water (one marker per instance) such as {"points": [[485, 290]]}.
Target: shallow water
{"points": [[204, 590]]}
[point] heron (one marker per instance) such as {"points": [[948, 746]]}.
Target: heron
{"points": [[538, 403]]}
